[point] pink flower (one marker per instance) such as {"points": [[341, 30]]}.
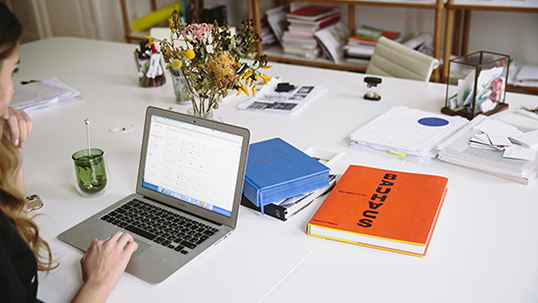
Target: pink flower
{"points": [[196, 30]]}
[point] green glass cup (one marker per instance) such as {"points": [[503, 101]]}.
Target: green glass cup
{"points": [[90, 172]]}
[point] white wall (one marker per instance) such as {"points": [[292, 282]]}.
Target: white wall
{"points": [[514, 34]]}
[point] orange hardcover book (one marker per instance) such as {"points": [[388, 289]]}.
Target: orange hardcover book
{"points": [[390, 210]]}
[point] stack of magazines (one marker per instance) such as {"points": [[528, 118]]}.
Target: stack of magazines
{"points": [[407, 133], [303, 23]]}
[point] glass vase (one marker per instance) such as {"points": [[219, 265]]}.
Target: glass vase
{"points": [[205, 115], [182, 95], [201, 107]]}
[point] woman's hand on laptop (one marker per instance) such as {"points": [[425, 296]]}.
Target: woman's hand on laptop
{"points": [[103, 265]]}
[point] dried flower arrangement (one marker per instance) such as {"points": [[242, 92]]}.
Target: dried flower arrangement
{"points": [[210, 62]]}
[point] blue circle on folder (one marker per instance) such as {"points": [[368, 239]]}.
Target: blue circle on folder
{"points": [[433, 121]]}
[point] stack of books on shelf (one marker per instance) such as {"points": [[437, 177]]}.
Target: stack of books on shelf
{"points": [[303, 23], [276, 19], [267, 34], [277, 171], [360, 47]]}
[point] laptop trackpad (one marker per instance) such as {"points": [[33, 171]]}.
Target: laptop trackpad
{"points": [[141, 247]]}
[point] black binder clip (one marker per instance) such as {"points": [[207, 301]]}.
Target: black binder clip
{"points": [[371, 83], [284, 87]]}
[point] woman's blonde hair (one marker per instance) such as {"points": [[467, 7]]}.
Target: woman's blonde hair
{"points": [[12, 200]]}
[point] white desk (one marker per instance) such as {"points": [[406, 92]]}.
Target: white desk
{"points": [[484, 249]]}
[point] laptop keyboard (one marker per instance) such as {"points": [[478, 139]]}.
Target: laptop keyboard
{"points": [[169, 229]]}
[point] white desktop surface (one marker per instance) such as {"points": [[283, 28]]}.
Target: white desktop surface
{"points": [[484, 249]]}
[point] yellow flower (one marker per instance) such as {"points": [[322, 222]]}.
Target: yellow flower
{"points": [[267, 66], [245, 90], [150, 40], [221, 69], [189, 54], [238, 91], [247, 74], [265, 78], [254, 91], [176, 63], [171, 25]]}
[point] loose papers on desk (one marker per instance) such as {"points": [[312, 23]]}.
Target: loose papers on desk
{"points": [[406, 132], [457, 150], [38, 95], [268, 100]]}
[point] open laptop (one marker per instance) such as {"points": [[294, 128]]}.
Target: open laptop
{"points": [[188, 191]]}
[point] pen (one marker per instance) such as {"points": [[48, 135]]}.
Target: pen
{"points": [[27, 82]]}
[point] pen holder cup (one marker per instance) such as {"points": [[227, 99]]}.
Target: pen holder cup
{"points": [[477, 85], [180, 90], [90, 172], [150, 70]]}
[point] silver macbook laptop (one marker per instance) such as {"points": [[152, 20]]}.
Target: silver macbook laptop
{"points": [[188, 191]]}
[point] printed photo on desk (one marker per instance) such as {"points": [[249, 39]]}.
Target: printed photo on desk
{"points": [[283, 102]]}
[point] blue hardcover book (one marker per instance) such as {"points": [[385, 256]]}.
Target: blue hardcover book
{"points": [[277, 170]]}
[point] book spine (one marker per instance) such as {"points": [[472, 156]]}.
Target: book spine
{"points": [[272, 210]]}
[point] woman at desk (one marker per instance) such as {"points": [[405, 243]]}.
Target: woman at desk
{"points": [[21, 247]]}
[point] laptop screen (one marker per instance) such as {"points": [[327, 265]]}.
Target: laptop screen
{"points": [[192, 163]]}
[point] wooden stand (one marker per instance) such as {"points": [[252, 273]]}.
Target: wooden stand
{"points": [[499, 108]]}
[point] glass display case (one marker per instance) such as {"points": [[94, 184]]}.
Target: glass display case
{"points": [[477, 84]]}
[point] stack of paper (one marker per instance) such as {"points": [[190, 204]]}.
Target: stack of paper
{"points": [[515, 163], [39, 95], [406, 132], [497, 135], [277, 170]]}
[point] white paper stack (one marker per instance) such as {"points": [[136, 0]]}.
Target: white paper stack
{"points": [[457, 150], [39, 95], [406, 132]]}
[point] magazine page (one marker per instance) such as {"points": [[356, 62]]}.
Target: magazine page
{"points": [[332, 39], [269, 100]]}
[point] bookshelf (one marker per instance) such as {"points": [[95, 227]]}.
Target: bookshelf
{"points": [[276, 53], [458, 26]]}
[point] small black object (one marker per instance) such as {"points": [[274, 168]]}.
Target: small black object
{"points": [[372, 96], [284, 87], [372, 81]]}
